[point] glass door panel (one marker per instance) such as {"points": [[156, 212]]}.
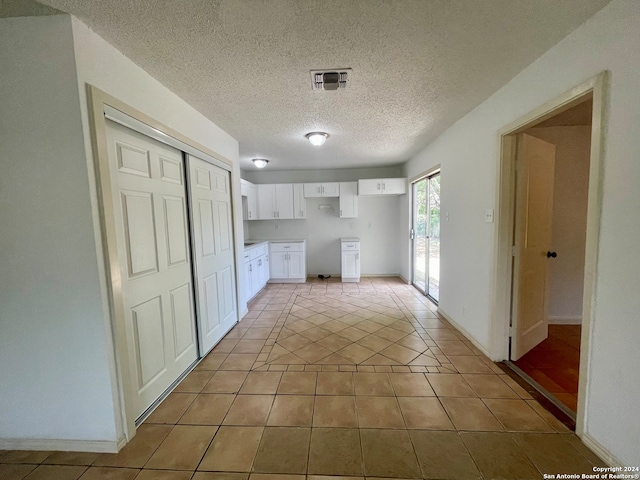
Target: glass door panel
{"points": [[420, 235], [433, 238]]}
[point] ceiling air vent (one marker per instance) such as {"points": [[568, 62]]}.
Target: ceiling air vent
{"points": [[330, 79]]}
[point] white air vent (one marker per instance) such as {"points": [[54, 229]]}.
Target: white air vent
{"points": [[330, 79]]}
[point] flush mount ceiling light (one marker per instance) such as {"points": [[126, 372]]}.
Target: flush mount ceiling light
{"points": [[260, 162], [317, 138]]}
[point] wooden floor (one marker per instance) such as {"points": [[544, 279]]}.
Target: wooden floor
{"points": [[555, 363]]}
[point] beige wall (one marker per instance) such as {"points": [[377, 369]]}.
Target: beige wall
{"points": [[569, 219]]}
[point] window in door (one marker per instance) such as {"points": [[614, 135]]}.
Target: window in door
{"points": [[426, 235]]}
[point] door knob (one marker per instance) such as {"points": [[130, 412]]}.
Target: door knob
{"points": [[552, 254]]}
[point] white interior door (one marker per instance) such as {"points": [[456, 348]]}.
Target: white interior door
{"points": [[211, 218], [150, 208], [532, 235]]}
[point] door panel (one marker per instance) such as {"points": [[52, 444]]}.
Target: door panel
{"points": [[214, 253], [532, 236], [296, 264], [155, 269]]}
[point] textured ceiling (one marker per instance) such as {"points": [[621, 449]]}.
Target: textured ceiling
{"points": [[418, 65], [24, 8]]}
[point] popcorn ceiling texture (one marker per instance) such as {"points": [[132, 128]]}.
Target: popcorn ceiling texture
{"points": [[418, 65]]}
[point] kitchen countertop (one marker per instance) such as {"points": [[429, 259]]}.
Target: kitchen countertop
{"points": [[287, 240], [350, 239]]}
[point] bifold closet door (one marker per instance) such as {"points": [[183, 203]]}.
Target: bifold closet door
{"points": [[150, 209], [211, 219]]}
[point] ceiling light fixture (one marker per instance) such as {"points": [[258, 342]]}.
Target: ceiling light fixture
{"points": [[260, 162], [317, 138]]}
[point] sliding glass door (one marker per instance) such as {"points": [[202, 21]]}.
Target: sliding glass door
{"points": [[426, 235]]}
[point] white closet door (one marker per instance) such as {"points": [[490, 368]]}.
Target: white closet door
{"points": [[210, 199], [150, 208]]}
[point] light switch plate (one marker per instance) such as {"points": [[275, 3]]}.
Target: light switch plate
{"points": [[488, 215]]}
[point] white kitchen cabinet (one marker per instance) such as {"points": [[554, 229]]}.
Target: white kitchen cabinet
{"points": [[256, 258], [275, 201], [348, 199], [252, 202], [299, 202], [288, 262], [331, 189], [350, 259], [382, 186]]}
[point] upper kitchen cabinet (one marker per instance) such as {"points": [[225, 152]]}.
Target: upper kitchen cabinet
{"points": [[331, 189], [299, 202], [249, 200], [382, 186], [348, 199], [275, 201]]}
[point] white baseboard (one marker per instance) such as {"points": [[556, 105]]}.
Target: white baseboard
{"points": [[243, 313], [565, 319], [404, 279], [464, 332], [94, 446], [609, 458]]}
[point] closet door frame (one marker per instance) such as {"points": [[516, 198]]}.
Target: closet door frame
{"points": [[100, 107]]}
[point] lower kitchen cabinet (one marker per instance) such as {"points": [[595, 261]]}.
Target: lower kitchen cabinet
{"points": [[350, 256], [288, 261], [256, 264]]}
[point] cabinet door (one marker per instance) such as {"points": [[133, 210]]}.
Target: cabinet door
{"points": [[312, 190], [263, 265], [278, 265], [348, 200], [252, 202], [266, 202], [370, 186], [247, 278], [299, 203], [255, 279], [394, 186], [331, 189], [284, 201], [296, 265], [351, 264]]}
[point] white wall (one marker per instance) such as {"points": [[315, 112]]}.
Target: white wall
{"points": [[53, 350], [570, 192], [469, 157], [377, 223]]}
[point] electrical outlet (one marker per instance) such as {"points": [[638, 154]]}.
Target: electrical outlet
{"points": [[488, 215], [446, 217]]}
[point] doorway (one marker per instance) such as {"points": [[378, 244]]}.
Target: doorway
{"points": [[529, 292], [425, 235]]}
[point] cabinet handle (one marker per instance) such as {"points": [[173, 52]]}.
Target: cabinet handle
{"points": [[249, 214], [340, 212], [378, 187], [383, 187], [323, 189], [274, 214], [357, 256]]}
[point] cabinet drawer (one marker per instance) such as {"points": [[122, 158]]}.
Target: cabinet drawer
{"points": [[286, 247], [350, 245], [258, 251]]}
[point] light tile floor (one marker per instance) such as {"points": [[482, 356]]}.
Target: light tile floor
{"points": [[330, 379]]}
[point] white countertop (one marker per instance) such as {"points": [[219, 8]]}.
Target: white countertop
{"points": [[350, 239], [287, 240]]}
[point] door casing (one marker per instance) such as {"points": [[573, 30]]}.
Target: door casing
{"points": [[501, 305]]}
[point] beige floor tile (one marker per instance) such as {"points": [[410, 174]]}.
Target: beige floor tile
{"points": [[414, 342], [298, 383], [283, 450], [261, 383], [334, 342], [164, 475], [453, 347], [172, 408], [372, 384], [225, 382], [490, 450], [57, 472], [313, 352], [24, 456], [109, 473], [515, 387], [335, 383], [442, 455], [516, 415], [388, 453], [275, 476], [548, 417], [469, 364], [335, 451], [207, 409], [233, 449], [449, 385], [249, 410], [470, 414], [295, 342], [16, 471], [391, 334], [73, 458], [316, 333], [332, 477], [291, 411], [248, 346], [369, 326], [424, 413], [379, 360], [239, 361], [194, 382], [410, 385], [353, 333], [552, 453], [138, 451], [257, 333], [183, 448], [442, 334], [219, 476], [489, 386], [335, 411], [356, 353], [379, 412], [335, 326]]}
